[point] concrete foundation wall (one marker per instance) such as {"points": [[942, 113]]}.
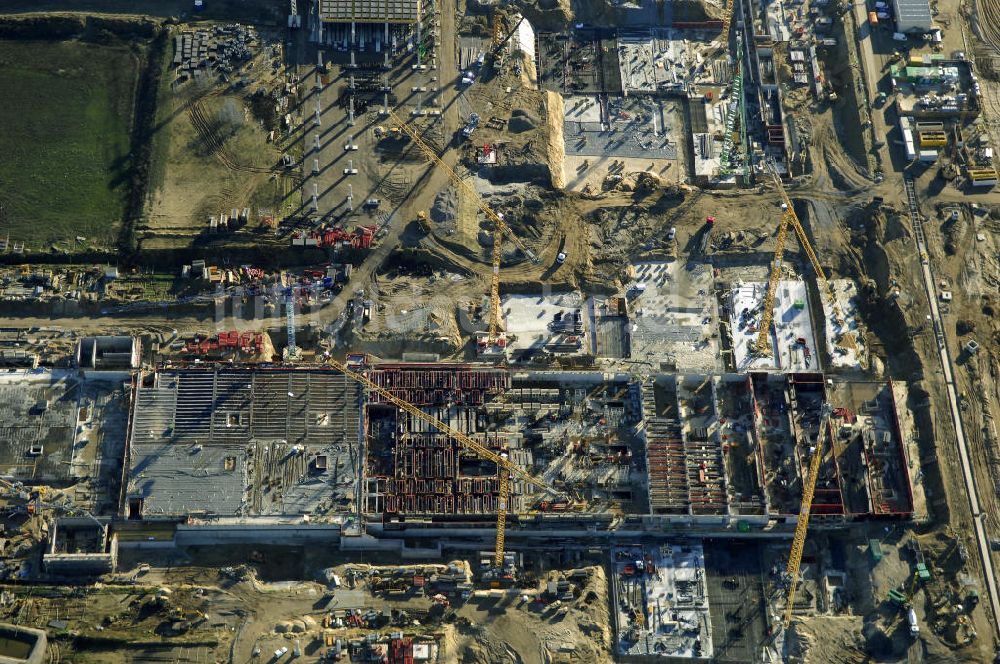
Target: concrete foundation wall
{"points": [[251, 534], [36, 637]]}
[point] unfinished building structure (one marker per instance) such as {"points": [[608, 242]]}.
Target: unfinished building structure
{"points": [[413, 469], [107, 352], [375, 24], [243, 442], [62, 430], [660, 600], [573, 429], [708, 448], [80, 546], [738, 445]]}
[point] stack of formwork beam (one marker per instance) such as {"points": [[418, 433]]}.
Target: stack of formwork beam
{"points": [[665, 456], [426, 471], [706, 477], [434, 385]]}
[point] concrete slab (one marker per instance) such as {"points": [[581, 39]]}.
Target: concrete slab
{"points": [[674, 316], [843, 342], [655, 65], [660, 596], [541, 320], [792, 321], [624, 135]]}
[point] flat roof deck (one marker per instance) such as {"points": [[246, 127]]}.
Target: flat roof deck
{"points": [[246, 442], [791, 324], [369, 11], [660, 598], [59, 429]]}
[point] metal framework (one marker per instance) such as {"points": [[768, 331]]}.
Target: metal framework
{"points": [[499, 29], [763, 344], [727, 20], [500, 227], [734, 113], [504, 467], [502, 34], [290, 324], [799, 541]]}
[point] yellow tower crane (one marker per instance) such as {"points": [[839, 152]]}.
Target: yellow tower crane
{"points": [[500, 227], [808, 489], [727, 21], [763, 344], [502, 32], [499, 30], [505, 469]]}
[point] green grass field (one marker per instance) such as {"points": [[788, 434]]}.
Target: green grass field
{"points": [[65, 116]]}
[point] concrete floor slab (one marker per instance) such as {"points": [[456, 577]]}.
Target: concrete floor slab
{"points": [[674, 316], [792, 321]]}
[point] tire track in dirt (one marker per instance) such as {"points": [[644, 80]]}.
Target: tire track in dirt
{"points": [[988, 20], [569, 234], [216, 145]]}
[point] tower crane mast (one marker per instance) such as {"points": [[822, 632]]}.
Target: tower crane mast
{"points": [[789, 218], [501, 228], [808, 490], [292, 352]]}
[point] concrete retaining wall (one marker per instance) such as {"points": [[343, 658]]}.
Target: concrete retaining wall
{"points": [[250, 534], [37, 638]]}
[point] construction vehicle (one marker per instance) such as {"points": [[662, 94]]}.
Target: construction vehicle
{"points": [[789, 218], [705, 240], [808, 489], [494, 339], [471, 125], [505, 469], [423, 221], [898, 599]]}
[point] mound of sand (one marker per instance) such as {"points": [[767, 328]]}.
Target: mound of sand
{"points": [[521, 121], [553, 15], [556, 146], [445, 207]]}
